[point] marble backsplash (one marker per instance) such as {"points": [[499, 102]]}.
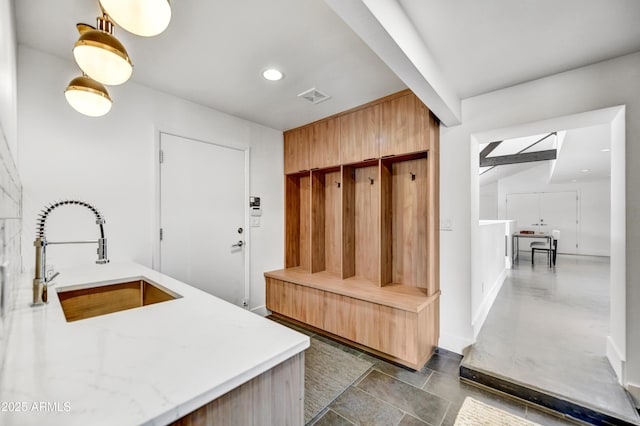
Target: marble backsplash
{"points": [[10, 238]]}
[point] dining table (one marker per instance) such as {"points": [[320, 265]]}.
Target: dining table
{"points": [[515, 242]]}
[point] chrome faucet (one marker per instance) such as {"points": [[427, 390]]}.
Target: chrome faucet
{"points": [[40, 280]]}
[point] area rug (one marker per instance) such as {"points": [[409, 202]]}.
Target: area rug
{"points": [[328, 372], [476, 413]]}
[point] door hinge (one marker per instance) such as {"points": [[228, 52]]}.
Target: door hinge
{"points": [[576, 245], [161, 156], [161, 234]]}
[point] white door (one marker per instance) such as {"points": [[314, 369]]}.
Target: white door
{"points": [[558, 210], [544, 212], [202, 216], [524, 209]]}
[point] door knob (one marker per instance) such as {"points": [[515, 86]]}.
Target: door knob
{"points": [[238, 244]]}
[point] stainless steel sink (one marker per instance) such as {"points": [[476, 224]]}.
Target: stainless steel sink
{"points": [[105, 299]]}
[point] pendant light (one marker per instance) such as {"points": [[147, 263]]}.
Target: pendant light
{"points": [[88, 97], [145, 18], [100, 55]]}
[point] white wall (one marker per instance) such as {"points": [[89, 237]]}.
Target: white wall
{"points": [[489, 201], [495, 260], [593, 205], [10, 189], [111, 162], [606, 84], [8, 86]]}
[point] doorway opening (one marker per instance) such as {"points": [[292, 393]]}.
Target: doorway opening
{"points": [[553, 329]]}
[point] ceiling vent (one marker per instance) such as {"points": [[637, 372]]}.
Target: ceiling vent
{"points": [[314, 96]]}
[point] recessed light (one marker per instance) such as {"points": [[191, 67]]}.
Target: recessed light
{"points": [[272, 74], [585, 170], [605, 150], [574, 180]]}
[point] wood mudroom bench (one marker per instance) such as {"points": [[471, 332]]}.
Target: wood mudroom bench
{"points": [[362, 229]]}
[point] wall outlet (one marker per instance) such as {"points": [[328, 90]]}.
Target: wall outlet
{"points": [[446, 225]]}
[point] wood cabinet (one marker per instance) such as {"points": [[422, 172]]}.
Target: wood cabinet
{"points": [[404, 126], [296, 150], [359, 133], [324, 144], [362, 237], [402, 331]]}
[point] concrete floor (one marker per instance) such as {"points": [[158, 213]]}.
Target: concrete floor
{"points": [[547, 330]]}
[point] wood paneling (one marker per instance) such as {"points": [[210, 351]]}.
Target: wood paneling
{"points": [[298, 221], [386, 224], [367, 223], [324, 144], [359, 134], [296, 150], [404, 126], [348, 222], [326, 229], [332, 222], [274, 397], [409, 193], [317, 222], [305, 223]]}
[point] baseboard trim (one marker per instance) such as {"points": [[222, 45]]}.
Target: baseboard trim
{"points": [[634, 391], [454, 343], [615, 359], [261, 310], [487, 303]]}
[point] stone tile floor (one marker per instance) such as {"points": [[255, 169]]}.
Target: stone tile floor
{"points": [[388, 394]]}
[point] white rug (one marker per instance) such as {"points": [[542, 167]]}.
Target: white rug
{"points": [[328, 372], [476, 413]]}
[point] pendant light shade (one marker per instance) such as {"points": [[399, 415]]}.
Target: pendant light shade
{"points": [[100, 55], [88, 97], [145, 18]]}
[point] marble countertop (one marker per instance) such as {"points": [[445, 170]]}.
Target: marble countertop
{"points": [[149, 365]]}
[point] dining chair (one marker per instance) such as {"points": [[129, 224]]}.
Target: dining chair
{"points": [[552, 250]]}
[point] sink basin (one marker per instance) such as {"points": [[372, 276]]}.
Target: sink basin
{"points": [[105, 299]]}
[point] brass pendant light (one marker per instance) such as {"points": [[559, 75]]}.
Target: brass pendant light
{"points": [[88, 97], [100, 55], [145, 18]]}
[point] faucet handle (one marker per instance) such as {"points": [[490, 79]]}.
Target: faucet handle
{"points": [[52, 277]]}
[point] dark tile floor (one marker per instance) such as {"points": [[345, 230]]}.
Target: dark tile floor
{"points": [[388, 394]]}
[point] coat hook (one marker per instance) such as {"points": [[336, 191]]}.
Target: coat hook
{"points": [[337, 184], [371, 181], [413, 175]]}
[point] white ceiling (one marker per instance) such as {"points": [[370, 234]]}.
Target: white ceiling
{"points": [[213, 51], [487, 45], [582, 150]]}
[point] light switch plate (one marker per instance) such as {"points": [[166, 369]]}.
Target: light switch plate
{"points": [[255, 221]]}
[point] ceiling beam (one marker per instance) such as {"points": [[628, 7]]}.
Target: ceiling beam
{"points": [[488, 149], [385, 28], [526, 157]]}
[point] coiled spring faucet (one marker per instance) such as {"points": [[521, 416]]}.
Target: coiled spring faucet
{"points": [[40, 280]]}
